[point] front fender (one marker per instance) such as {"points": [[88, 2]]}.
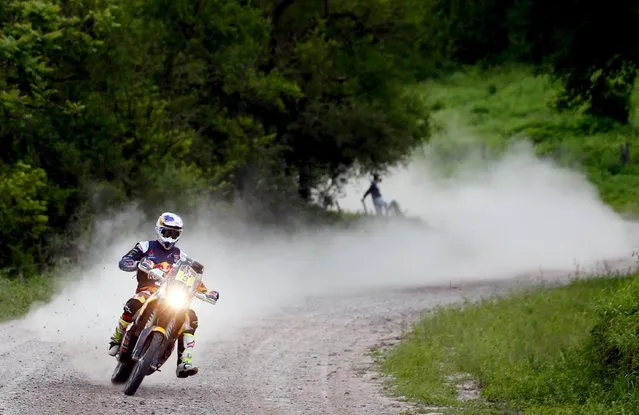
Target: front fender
{"points": [[137, 350]]}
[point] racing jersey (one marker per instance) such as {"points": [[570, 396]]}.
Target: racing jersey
{"points": [[161, 258]]}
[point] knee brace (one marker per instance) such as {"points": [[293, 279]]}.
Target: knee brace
{"points": [[132, 306]]}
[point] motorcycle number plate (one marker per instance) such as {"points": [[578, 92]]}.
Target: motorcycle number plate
{"points": [[185, 278]]}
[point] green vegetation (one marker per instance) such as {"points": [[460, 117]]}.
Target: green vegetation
{"points": [[16, 296], [567, 350], [508, 103], [265, 101], [104, 102], [268, 101]]}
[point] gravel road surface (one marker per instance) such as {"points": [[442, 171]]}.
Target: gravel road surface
{"points": [[307, 359]]}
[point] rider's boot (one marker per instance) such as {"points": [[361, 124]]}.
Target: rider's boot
{"points": [[185, 367], [116, 339]]}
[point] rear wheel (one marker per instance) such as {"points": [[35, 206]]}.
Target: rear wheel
{"points": [[142, 366]]}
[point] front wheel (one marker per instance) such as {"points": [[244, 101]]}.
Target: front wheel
{"points": [[121, 372], [143, 365]]}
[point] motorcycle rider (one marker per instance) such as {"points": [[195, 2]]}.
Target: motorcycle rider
{"points": [[160, 253], [378, 201]]}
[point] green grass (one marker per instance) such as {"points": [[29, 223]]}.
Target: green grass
{"points": [[503, 104], [532, 353], [526, 351], [17, 296]]}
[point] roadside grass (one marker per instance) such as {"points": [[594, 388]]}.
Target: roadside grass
{"points": [[527, 352], [17, 296], [534, 352], [504, 104]]}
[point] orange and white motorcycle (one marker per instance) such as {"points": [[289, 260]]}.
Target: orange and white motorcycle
{"points": [[151, 337]]}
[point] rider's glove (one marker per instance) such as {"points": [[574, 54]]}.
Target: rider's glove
{"points": [[128, 265], [213, 295], [197, 267], [147, 265], [156, 274]]}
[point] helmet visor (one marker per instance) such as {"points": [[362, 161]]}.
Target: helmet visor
{"points": [[170, 233]]}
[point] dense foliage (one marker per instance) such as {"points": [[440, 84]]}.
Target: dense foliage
{"points": [[103, 102], [588, 47], [613, 346], [546, 350], [107, 101]]}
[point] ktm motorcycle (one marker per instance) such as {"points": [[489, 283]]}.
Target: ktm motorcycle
{"points": [[151, 337]]}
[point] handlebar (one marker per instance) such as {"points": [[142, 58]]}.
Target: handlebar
{"points": [[156, 272], [142, 268], [160, 274]]}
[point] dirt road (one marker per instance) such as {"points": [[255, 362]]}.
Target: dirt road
{"points": [[309, 359]]}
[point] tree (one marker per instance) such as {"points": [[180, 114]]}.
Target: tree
{"points": [[592, 51], [104, 102], [587, 46], [355, 109], [23, 218]]}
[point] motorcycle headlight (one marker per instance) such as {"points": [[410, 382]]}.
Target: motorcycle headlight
{"points": [[176, 298]]}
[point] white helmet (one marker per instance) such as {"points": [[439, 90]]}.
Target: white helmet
{"points": [[168, 229]]}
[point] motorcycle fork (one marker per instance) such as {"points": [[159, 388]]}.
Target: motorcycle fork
{"points": [[171, 334], [145, 315]]}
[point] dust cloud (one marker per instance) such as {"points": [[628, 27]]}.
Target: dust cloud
{"points": [[487, 220]]}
